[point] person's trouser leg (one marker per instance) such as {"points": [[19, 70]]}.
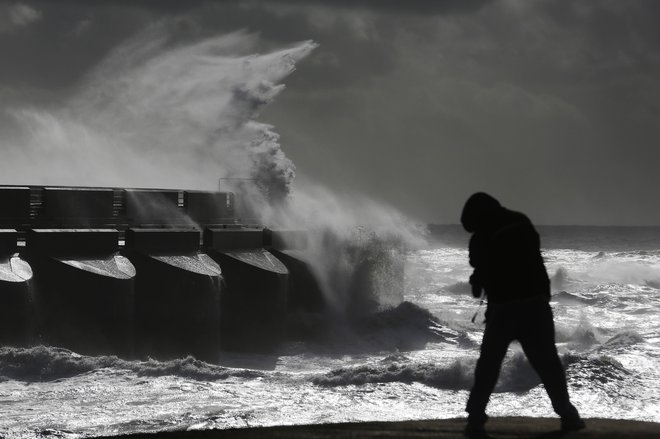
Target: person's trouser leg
{"points": [[537, 337], [493, 349]]}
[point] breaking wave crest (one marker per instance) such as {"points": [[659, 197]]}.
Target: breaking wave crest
{"points": [[597, 371], [46, 363], [622, 340], [457, 376], [516, 375], [408, 318], [588, 338], [572, 298], [404, 327]]}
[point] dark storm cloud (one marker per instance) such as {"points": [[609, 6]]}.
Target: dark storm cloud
{"points": [[75, 34], [55, 51], [399, 6], [552, 105]]}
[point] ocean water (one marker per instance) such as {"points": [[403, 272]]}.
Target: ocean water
{"points": [[414, 361]]}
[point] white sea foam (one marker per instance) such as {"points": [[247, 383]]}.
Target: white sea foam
{"points": [[633, 267]]}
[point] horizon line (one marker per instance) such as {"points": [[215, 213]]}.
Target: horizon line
{"points": [[565, 225]]}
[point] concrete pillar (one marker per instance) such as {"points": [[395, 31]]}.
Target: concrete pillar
{"points": [[254, 301], [177, 294], [15, 297], [83, 290], [291, 247]]}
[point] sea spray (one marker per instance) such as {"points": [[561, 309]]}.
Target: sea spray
{"points": [[356, 246], [165, 111], [161, 113]]}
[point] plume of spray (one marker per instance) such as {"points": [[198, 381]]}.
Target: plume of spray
{"points": [[356, 246], [161, 113], [158, 112]]}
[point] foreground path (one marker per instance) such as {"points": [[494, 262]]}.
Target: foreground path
{"points": [[498, 428]]}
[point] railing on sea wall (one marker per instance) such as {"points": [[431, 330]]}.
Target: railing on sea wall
{"points": [[29, 207]]}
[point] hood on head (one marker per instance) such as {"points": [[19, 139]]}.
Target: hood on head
{"points": [[479, 211]]}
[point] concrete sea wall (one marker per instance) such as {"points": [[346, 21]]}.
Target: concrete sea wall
{"points": [[127, 272], [148, 273]]}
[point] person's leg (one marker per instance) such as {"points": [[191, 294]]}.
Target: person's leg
{"points": [[493, 349], [537, 337]]}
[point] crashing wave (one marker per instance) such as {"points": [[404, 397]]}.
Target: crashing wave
{"points": [[46, 363], [622, 340], [653, 284], [457, 376], [598, 372], [567, 298], [516, 375], [405, 327]]}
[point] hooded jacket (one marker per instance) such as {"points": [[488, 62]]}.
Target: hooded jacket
{"points": [[504, 251]]}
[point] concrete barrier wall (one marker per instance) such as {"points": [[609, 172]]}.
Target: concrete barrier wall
{"points": [[149, 207], [15, 206], [88, 297], [15, 293], [163, 241], [233, 239], [177, 294], [255, 299], [73, 243], [76, 207], [209, 208], [26, 207], [8, 242], [83, 290]]}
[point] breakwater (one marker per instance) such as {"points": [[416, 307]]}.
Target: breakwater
{"points": [[145, 272]]}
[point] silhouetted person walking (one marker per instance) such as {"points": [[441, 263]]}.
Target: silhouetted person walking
{"points": [[508, 268]]}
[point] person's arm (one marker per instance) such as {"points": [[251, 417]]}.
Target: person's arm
{"points": [[476, 256], [476, 284]]}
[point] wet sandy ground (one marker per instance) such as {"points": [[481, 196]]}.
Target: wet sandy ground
{"points": [[497, 428]]}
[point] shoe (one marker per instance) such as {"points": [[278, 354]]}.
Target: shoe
{"points": [[474, 429], [475, 432], [572, 424]]}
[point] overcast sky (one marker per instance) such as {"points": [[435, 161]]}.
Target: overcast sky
{"points": [[551, 106]]}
